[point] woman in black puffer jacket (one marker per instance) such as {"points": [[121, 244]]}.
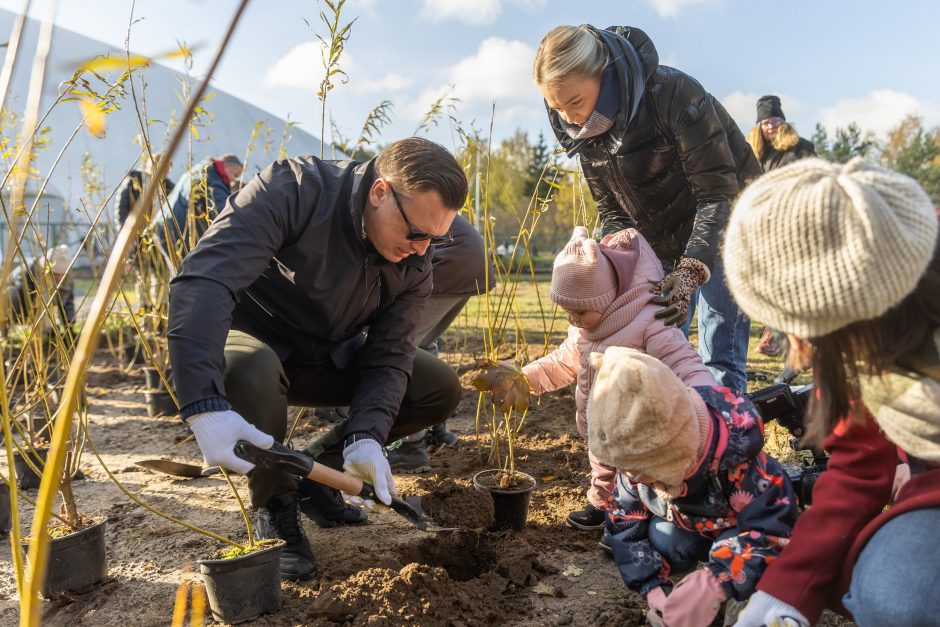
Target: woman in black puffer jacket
{"points": [[661, 155]]}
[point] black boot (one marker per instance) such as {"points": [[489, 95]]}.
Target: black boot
{"points": [[588, 518], [409, 457], [438, 435], [281, 519], [326, 507]]}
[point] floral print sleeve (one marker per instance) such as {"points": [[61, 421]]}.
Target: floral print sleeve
{"points": [[764, 502], [641, 566]]}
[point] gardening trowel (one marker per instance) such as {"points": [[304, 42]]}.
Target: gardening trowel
{"points": [[279, 457], [178, 469]]}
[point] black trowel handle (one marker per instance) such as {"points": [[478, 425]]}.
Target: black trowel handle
{"points": [[279, 457]]}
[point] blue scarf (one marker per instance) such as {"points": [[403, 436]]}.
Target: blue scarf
{"points": [[602, 118]]}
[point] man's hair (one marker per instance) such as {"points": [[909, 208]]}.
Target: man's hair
{"points": [[419, 165], [231, 159]]}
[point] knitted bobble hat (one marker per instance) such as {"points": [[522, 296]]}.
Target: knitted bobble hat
{"points": [[642, 418], [583, 278], [814, 246]]}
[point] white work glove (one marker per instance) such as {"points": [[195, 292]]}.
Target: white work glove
{"points": [[366, 460], [765, 610], [217, 432]]}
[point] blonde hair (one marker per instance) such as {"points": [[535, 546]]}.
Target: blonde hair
{"points": [[785, 139], [568, 51]]}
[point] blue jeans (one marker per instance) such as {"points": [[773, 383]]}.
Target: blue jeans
{"points": [[723, 331], [895, 578], [682, 549]]}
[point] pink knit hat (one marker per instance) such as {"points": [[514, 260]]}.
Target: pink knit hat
{"points": [[583, 278]]}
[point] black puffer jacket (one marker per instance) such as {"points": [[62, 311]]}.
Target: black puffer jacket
{"points": [[673, 170], [774, 159]]}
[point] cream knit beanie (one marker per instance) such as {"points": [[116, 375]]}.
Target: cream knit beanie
{"points": [[59, 259], [642, 418], [815, 246], [582, 277]]}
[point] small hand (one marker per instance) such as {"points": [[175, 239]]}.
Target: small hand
{"points": [[506, 382]]}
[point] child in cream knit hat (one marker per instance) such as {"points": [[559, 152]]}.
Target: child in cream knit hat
{"points": [[604, 288], [694, 486], [846, 259]]}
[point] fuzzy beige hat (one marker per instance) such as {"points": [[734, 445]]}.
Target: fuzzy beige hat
{"points": [[642, 418], [815, 246], [582, 277], [58, 259]]}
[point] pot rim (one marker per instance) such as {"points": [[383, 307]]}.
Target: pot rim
{"points": [[232, 560], [518, 490]]}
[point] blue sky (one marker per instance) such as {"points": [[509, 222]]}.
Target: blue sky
{"points": [[831, 61]]}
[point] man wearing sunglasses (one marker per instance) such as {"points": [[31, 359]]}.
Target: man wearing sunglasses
{"points": [[308, 289]]}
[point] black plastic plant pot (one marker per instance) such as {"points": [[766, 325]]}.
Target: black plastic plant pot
{"points": [[158, 399], [510, 505], [6, 515], [26, 477], [134, 354], [243, 588], [77, 561]]}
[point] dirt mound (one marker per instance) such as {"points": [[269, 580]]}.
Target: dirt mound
{"points": [[454, 502], [417, 594]]}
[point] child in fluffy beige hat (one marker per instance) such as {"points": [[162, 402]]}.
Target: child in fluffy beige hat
{"points": [[604, 288], [694, 486]]}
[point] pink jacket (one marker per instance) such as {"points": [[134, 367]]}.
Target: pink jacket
{"points": [[629, 322]]}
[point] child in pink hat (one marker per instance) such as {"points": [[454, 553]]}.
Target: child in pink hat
{"points": [[604, 289]]}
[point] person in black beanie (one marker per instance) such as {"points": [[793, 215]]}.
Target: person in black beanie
{"points": [[774, 140]]}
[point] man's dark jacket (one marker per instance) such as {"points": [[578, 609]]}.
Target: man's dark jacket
{"points": [[287, 262], [774, 159], [673, 170]]}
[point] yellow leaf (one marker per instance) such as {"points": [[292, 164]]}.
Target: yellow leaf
{"points": [[93, 115], [113, 62]]}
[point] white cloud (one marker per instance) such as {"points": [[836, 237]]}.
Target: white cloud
{"points": [[500, 70], [389, 82], [302, 67], [880, 111], [477, 12], [367, 7], [743, 107], [672, 8]]}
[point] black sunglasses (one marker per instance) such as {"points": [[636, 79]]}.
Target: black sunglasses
{"points": [[414, 235]]}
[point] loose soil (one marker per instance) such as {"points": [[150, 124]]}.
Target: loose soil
{"points": [[382, 573]]}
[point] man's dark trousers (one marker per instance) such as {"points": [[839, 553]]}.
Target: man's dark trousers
{"points": [[260, 388]]}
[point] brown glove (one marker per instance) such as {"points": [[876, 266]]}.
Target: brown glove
{"points": [[506, 382], [674, 292]]}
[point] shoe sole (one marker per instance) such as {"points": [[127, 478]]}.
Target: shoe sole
{"points": [[606, 549], [298, 577], [412, 471], [582, 526]]}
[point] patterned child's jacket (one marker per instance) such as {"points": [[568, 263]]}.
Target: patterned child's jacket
{"points": [[739, 497]]}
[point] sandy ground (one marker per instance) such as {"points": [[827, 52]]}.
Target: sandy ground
{"points": [[383, 573]]}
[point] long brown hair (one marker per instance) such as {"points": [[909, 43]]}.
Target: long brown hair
{"points": [[869, 348], [785, 139]]}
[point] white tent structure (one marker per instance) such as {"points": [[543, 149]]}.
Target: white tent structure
{"points": [[90, 167]]}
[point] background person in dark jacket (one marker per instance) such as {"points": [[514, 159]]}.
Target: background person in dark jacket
{"points": [[272, 308], [133, 187], [776, 143], [49, 275], [774, 140], [662, 155], [197, 199]]}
